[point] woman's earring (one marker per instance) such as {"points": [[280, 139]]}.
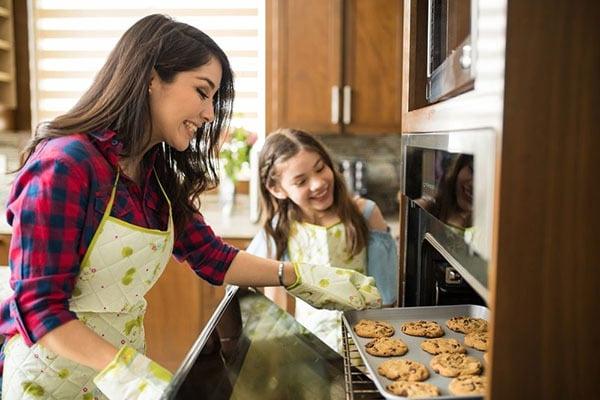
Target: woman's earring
{"points": [[149, 90]]}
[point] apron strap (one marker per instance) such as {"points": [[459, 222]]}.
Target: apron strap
{"points": [[167, 198], [114, 191], [161, 187], [112, 195]]}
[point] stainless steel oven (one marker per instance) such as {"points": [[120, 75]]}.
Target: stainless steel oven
{"points": [[447, 184]]}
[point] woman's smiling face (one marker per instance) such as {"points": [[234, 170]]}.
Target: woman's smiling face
{"points": [[180, 107]]}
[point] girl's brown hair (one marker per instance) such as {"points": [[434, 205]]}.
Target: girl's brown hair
{"points": [[118, 100], [278, 214]]}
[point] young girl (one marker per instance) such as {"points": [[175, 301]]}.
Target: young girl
{"points": [[310, 217]]}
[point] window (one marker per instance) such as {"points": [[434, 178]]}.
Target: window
{"points": [[71, 40]]}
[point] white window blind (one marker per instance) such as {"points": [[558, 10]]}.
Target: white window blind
{"points": [[70, 40]]}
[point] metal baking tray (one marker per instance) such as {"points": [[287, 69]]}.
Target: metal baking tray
{"points": [[396, 317]]}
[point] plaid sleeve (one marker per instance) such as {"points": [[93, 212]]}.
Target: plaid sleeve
{"points": [[47, 213], [205, 252]]}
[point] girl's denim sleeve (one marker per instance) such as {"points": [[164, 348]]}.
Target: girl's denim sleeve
{"points": [[382, 264]]}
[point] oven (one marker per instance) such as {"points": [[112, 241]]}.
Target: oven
{"points": [[447, 190]]}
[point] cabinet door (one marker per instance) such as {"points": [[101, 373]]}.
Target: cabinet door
{"points": [[7, 57], [373, 66], [4, 244], [303, 64]]}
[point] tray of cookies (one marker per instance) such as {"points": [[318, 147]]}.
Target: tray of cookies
{"points": [[425, 352]]}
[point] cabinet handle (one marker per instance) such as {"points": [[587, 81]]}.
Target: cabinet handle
{"points": [[465, 57], [347, 113], [335, 104]]}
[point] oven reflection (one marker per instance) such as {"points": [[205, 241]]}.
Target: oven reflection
{"points": [[257, 351], [453, 199]]}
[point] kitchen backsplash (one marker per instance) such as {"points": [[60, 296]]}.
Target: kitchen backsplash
{"points": [[371, 164]]}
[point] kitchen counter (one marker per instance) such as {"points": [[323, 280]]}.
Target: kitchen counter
{"points": [[5, 290], [236, 225]]}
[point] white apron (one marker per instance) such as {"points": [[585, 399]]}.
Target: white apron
{"points": [[121, 264], [319, 245]]}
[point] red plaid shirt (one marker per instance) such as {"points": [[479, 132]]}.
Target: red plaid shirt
{"points": [[55, 206]]}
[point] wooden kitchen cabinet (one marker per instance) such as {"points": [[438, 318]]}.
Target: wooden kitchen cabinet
{"points": [[4, 243], [7, 56], [334, 66]]}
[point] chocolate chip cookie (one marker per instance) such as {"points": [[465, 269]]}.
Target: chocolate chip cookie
{"points": [[386, 347], [455, 364], [373, 329], [467, 324], [438, 346], [477, 340], [468, 385], [413, 389], [404, 370], [430, 329]]}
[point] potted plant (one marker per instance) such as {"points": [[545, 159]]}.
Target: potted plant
{"points": [[235, 163]]}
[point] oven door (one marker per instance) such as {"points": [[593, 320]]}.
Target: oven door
{"points": [[447, 184]]}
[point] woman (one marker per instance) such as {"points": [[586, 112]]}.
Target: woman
{"points": [[105, 196]]}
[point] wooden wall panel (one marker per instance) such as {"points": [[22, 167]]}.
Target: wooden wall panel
{"points": [[547, 274], [175, 315]]}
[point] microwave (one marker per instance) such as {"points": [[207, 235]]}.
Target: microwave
{"points": [[451, 34]]}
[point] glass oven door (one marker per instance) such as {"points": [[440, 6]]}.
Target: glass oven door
{"points": [[252, 349], [447, 179]]}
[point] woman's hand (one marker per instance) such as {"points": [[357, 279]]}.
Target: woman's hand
{"points": [[132, 375], [334, 288]]}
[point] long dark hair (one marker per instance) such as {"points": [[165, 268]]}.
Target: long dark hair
{"points": [[118, 100], [278, 214]]}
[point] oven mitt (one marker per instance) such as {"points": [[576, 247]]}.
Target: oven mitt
{"points": [[334, 288], [132, 375]]}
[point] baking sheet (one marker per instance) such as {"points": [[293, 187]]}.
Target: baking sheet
{"points": [[396, 317]]}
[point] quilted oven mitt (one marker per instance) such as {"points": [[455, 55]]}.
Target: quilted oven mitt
{"points": [[132, 375], [334, 288]]}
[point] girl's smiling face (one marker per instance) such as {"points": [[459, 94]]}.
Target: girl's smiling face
{"points": [[306, 180], [180, 107]]}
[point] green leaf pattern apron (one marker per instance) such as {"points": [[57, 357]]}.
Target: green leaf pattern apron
{"points": [[120, 266], [320, 245]]}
